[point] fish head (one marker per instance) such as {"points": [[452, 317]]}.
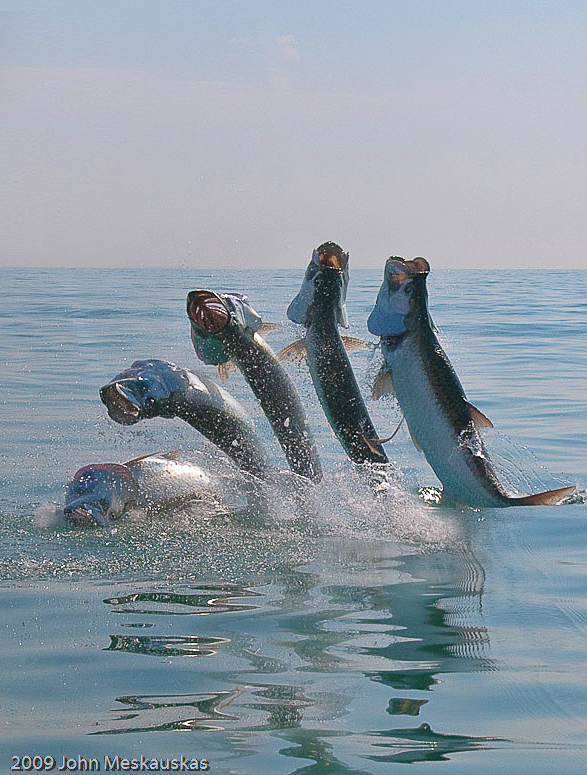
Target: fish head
{"points": [[211, 314], [402, 298], [99, 493], [141, 391], [327, 275]]}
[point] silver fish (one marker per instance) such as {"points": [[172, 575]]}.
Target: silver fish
{"points": [[154, 388], [320, 307], [442, 423], [225, 327], [101, 493]]}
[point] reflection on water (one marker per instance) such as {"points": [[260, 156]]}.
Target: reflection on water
{"points": [[167, 646], [188, 712], [211, 599], [422, 744], [338, 646], [406, 746], [400, 622], [439, 629], [399, 706]]}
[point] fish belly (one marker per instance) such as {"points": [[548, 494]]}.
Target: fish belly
{"points": [[432, 430]]}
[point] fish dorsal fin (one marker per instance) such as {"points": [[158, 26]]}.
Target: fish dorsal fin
{"points": [[296, 352], [353, 344], [226, 369], [114, 468], [383, 384], [548, 498], [173, 455], [479, 419]]}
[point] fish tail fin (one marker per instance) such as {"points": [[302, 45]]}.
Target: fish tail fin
{"points": [[548, 498]]}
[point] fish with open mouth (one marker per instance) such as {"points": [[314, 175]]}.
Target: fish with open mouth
{"points": [[441, 421], [225, 327], [155, 388], [100, 493], [320, 307]]}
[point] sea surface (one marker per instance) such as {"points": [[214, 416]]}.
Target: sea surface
{"points": [[326, 632]]}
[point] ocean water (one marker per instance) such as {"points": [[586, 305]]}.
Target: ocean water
{"points": [[322, 632]]}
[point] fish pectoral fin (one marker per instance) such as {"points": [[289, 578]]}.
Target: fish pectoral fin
{"points": [[371, 443], [266, 328], [226, 369], [296, 352], [383, 384], [548, 498], [479, 419], [353, 344], [172, 455]]}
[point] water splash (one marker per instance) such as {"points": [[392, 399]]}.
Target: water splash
{"points": [[262, 527], [517, 467]]}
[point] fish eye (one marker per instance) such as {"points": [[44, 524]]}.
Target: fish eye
{"points": [[140, 386]]}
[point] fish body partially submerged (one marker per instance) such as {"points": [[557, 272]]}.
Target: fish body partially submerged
{"points": [[155, 388], [320, 307], [226, 328], [442, 423], [100, 493]]}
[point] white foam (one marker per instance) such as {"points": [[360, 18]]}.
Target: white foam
{"points": [[47, 515], [346, 503]]}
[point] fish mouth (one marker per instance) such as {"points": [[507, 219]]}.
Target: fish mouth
{"points": [[207, 311], [332, 256], [121, 407], [85, 515], [398, 271], [418, 265]]}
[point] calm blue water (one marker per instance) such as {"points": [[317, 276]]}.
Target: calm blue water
{"points": [[326, 634]]}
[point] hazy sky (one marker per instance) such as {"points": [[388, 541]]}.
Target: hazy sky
{"points": [[244, 133]]}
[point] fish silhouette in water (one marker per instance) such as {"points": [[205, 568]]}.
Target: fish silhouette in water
{"points": [[442, 422]]}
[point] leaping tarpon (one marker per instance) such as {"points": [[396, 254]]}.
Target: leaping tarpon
{"points": [[224, 327], [320, 307], [155, 388], [441, 421]]}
